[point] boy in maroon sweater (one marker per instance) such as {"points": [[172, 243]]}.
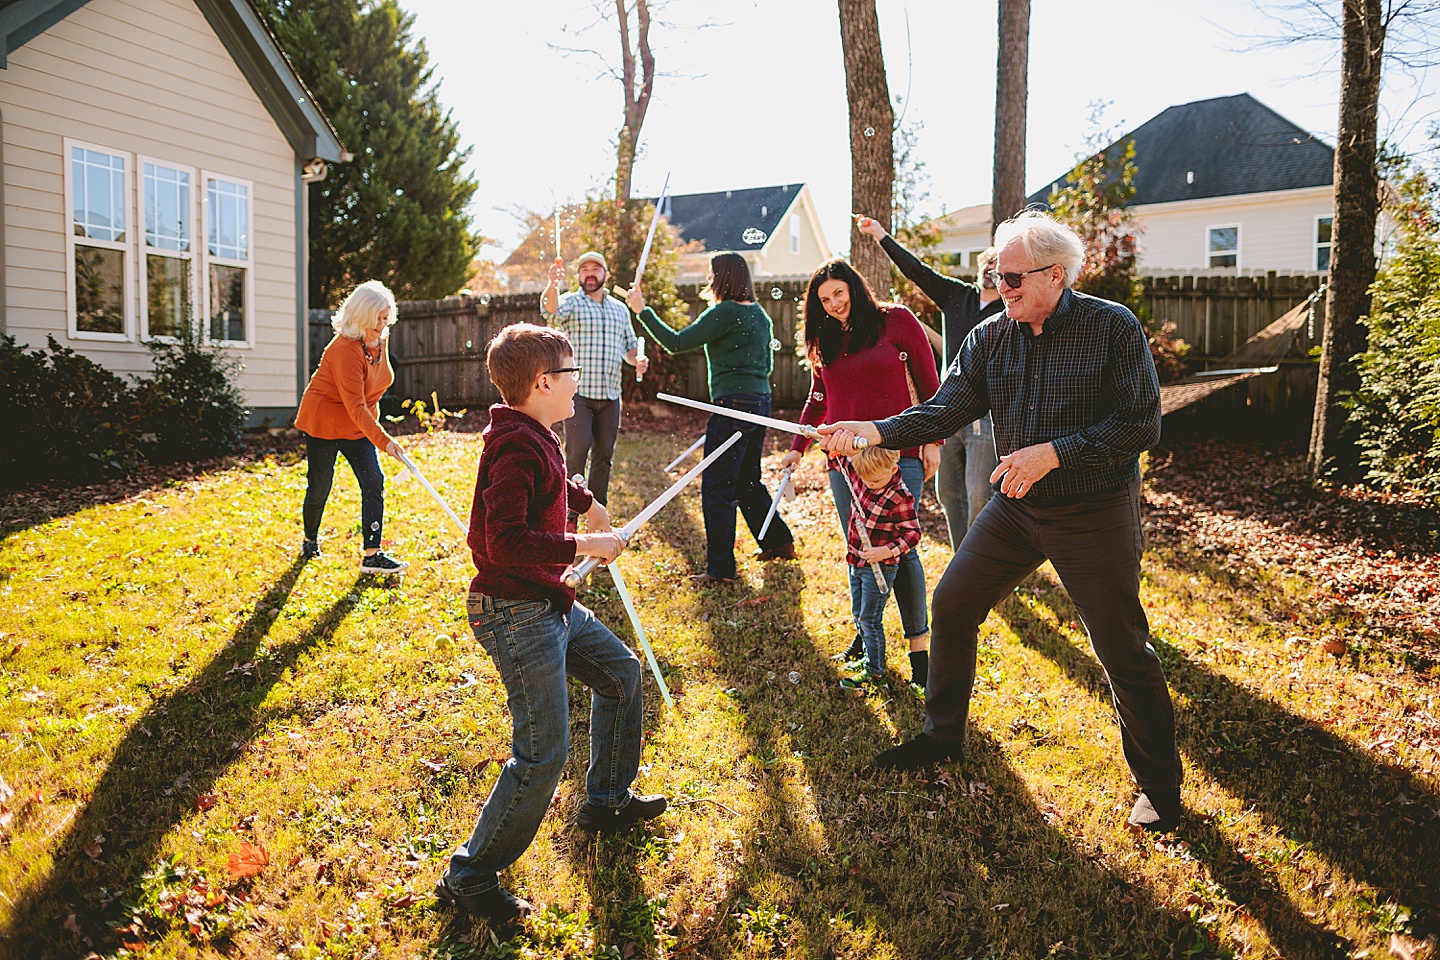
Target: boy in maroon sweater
{"points": [[527, 620]]}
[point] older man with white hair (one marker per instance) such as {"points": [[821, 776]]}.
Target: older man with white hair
{"points": [[1070, 383]]}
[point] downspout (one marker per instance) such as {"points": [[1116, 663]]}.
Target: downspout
{"points": [[306, 173]]}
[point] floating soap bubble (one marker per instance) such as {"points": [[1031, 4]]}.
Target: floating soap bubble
{"points": [[869, 131], [776, 293], [774, 345], [753, 235], [793, 676], [469, 344], [484, 298]]}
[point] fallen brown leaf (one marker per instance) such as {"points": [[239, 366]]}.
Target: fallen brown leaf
{"points": [[205, 801], [407, 900], [93, 848], [1333, 646], [249, 862]]}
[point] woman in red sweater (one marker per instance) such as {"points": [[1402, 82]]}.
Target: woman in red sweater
{"points": [[340, 413], [869, 361]]}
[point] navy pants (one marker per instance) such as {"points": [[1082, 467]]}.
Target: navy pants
{"points": [[734, 480], [320, 476]]}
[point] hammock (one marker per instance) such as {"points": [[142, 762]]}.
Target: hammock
{"points": [[1258, 355]]}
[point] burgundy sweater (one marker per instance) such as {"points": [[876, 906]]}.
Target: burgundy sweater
{"points": [[870, 385], [517, 520]]}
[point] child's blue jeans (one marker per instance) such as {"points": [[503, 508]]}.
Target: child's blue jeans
{"points": [[535, 649], [867, 603]]}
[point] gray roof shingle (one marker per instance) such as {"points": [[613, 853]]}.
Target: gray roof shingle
{"points": [[731, 219], [1232, 145]]}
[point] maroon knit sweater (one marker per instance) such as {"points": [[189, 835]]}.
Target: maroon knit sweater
{"points": [[517, 519], [870, 385]]}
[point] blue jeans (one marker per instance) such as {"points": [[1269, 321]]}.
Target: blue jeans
{"points": [[535, 648], [320, 476], [867, 604], [734, 480], [963, 482], [910, 594]]}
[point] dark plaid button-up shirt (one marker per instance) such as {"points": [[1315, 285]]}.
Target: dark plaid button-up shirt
{"points": [[1086, 384], [888, 516]]}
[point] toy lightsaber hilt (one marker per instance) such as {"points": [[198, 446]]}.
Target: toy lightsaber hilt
{"points": [[639, 355]]}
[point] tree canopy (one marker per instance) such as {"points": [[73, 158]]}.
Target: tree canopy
{"points": [[396, 212]]}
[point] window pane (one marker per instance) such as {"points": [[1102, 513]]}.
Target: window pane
{"points": [[98, 182], [1322, 257], [99, 290], [229, 219], [167, 295], [167, 208], [1222, 260], [1322, 230], [227, 302], [1224, 240]]}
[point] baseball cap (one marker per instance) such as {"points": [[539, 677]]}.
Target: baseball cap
{"points": [[591, 256]]}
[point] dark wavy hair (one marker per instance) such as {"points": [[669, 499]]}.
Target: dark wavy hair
{"points": [[825, 338], [732, 277]]}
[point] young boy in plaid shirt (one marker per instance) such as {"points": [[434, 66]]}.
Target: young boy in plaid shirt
{"points": [[882, 512]]}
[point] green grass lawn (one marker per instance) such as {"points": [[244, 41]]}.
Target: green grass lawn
{"points": [[212, 749]]}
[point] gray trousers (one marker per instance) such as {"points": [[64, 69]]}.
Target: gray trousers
{"points": [[590, 434], [1095, 547], [963, 481]]}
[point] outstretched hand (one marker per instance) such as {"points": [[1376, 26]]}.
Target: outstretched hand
{"points": [[1024, 468], [635, 300], [869, 227], [557, 273]]}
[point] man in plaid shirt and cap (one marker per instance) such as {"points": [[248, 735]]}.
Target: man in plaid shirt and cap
{"points": [[598, 326], [1071, 385]]}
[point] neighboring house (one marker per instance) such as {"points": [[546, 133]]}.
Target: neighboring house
{"points": [[155, 158], [775, 228], [1219, 184]]}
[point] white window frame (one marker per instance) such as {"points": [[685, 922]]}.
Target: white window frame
{"points": [[142, 266], [126, 246], [1239, 242], [794, 233], [206, 259], [1329, 245]]}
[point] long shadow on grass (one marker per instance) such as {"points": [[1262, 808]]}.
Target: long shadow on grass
{"points": [[172, 754], [1372, 820], [866, 862]]}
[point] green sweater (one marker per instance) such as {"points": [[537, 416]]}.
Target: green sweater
{"points": [[736, 338]]}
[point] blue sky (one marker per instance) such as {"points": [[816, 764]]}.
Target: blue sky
{"points": [[758, 96]]}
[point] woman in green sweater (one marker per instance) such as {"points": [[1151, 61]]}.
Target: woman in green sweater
{"points": [[736, 334]]}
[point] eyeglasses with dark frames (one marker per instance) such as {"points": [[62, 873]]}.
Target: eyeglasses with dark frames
{"points": [[573, 371], [1011, 278]]}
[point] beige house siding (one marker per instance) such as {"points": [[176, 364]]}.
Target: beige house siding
{"points": [[1277, 230], [143, 78]]}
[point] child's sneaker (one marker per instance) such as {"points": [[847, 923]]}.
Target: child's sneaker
{"points": [[381, 562], [855, 651], [866, 679], [310, 549]]}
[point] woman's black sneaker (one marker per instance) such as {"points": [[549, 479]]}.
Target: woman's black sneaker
{"points": [[310, 549], [381, 562], [855, 651]]}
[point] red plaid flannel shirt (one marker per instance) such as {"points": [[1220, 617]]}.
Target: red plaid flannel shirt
{"points": [[888, 515]]}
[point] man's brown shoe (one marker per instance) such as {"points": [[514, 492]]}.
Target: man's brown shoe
{"points": [[786, 552]]}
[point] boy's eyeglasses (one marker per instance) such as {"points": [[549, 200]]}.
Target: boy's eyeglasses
{"points": [[573, 371], [1011, 278]]}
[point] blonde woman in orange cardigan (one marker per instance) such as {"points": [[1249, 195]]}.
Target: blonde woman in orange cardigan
{"points": [[340, 414]]}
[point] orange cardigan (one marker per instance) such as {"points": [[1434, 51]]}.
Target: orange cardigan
{"points": [[342, 401]]}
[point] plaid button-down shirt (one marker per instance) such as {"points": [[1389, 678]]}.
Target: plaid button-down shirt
{"points": [[888, 516], [601, 335], [1086, 384]]}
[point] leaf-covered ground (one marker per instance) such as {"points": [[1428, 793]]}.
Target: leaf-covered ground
{"points": [[208, 748]]}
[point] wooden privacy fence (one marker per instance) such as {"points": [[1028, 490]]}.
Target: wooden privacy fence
{"points": [[439, 345]]}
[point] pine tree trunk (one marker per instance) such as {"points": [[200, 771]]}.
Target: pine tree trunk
{"points": [[1352, 238], [872, 127], [1012, 64]]}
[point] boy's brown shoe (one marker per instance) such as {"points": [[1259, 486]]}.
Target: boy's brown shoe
{"points": [[602, 819], [499, 906]]}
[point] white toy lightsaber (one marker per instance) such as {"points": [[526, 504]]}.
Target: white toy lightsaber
{"points": [[557, 233], [874, 565], [624, 592], [577, 574], [775, 504], [639, 355], [688, 450], [410, 465], [804, 429], [649, 237]]}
